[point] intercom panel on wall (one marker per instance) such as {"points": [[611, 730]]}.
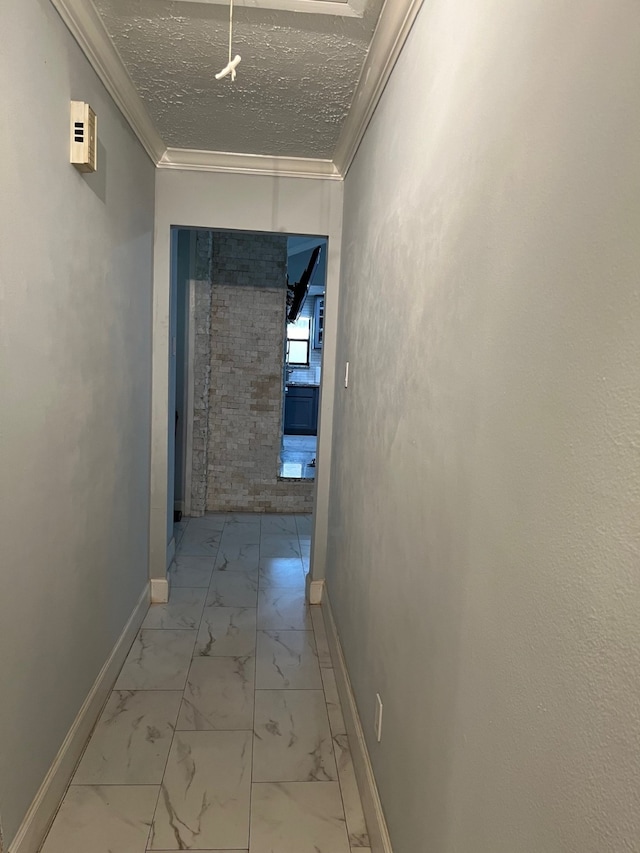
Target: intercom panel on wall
{"points": [[84, 137]]}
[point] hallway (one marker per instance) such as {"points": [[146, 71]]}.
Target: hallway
{"points": [[172, 763]]}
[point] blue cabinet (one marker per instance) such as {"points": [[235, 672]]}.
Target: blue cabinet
{"points": [[301, 410]]}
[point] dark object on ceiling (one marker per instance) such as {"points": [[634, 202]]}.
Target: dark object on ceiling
{"points": [[300, 289]]}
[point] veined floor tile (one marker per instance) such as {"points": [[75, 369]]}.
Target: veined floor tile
{"points": [[279, 524], [183, 610], [205, 794], [232, 518], [334, 708], [179, 528], [210, 521], [304, 524], [199, 542], [287, 660], [232, 676], [227, 632], [103, 819], [319, 630], [249, 564], [297, 817], [305, 545], [281, 573], [356, 826], [191, 571], [237, 556], [233, 589], [131, 741], [284, 610], [247, 533], [158, 660], [279, 545], [219, 694], [292, 741]]}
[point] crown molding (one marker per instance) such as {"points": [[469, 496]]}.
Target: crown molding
{"points": [[85, 25], [339, 8], [225, 161], [397, 16], [394, 25]]}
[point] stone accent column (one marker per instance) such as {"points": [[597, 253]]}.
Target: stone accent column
{"points": [[202, 370], [246, 386]]}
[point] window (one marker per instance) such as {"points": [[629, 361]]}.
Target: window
{"points": [[298, 334]]}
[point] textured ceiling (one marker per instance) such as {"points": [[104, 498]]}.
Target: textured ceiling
{"points": [[293, 88]]}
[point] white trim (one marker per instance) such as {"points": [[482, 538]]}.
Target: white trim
{"points": [[86, 26], [394, 24], [190, 385], [159, 590], [42, 810], [371, 805], [192, 159], [316, 590], [341, 8]]}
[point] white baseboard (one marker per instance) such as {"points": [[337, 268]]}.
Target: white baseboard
{"points": [[159, 590], [42, 810], [315, 592], [371, 805]]}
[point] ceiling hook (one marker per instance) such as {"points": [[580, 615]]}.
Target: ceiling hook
{"points": [[230, 67]]}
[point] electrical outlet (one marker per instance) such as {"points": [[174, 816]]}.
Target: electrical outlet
{"points": [[378, 718]]}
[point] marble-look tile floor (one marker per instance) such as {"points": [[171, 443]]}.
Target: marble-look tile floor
{"points": [[224, 731], [297, 457]]}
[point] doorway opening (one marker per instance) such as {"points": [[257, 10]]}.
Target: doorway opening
{"points": [[230, 376]]}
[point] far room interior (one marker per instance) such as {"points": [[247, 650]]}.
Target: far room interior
{"points": [[246, 325], [306, 272]]}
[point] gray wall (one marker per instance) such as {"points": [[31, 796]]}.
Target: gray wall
{"points": [[202, 260], [75, 372], [484, 525]]}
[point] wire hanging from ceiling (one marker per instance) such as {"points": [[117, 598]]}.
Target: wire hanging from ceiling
{"points": [[230, 67]]}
